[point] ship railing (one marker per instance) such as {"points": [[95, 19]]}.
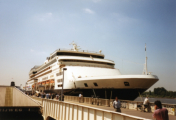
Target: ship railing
{"points": [[63, 49]]}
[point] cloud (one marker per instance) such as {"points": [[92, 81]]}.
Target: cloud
{"points": [[31, 50], [44, 17], [95, 1], [87, 10], [49, 14]]}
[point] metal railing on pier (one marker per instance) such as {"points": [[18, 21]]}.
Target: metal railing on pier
{"points": [[68, 110], [133, 105], [124, 103], [60, 110]]}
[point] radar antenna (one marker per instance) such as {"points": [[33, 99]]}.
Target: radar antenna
{"points": [[75, 47], [100, 51]]}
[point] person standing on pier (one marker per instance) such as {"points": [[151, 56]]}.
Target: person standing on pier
{"points": [[57, 97], [146, 104], [80, 97], [117, 105], [160, 113], [47, 96]]}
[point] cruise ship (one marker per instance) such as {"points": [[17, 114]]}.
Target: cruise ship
{"points": [[79, 71]]}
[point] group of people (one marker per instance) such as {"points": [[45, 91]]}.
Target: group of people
{"points": [[48, 95], [52, 96], [159, 113]]}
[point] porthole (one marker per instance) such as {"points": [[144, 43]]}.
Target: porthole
{"points": [[60, 85], [126, 83], [95, 84], [85, 84]]}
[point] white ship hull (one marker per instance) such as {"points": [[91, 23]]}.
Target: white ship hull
{"points": [[124, 86]]}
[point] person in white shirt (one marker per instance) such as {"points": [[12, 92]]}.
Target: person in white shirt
{"points": [[57, 97], [146, 103], [80, 96], [117, 105]]}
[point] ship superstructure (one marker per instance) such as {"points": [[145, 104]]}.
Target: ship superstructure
{"points": [[87, 73]]}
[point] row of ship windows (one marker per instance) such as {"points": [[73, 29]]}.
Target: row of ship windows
{"points": [[60, 85], [57, 74], [91, 66], [95, 84], [86, 85], [75, 54], [84, 61]]}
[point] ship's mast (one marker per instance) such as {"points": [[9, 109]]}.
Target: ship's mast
{"points": [[75, 47], [145, 66]]}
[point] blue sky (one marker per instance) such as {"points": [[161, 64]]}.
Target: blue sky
{"points": [[32, 29]]}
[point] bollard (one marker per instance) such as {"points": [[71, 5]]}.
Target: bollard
{"points": [[12, 83]]}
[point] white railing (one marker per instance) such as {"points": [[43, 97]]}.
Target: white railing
{"points": [[59, 105], [69, 111], [125, 103], [62, 49]]}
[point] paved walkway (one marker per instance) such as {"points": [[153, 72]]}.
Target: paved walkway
{"points": [[126, 111]]}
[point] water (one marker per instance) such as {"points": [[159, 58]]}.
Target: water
{"points": [[163, 100]]}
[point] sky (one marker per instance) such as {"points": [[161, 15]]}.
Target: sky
{"points": [[30, 30]]}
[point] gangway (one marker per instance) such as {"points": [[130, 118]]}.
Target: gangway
{"points": [[16, 105]]}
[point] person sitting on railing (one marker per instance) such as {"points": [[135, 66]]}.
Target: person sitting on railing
{"points": [[160, 113], [146, 104], [117, 105]]}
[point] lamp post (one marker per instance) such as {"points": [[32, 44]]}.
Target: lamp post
{"points": [[35, 81], [63, 84]]}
